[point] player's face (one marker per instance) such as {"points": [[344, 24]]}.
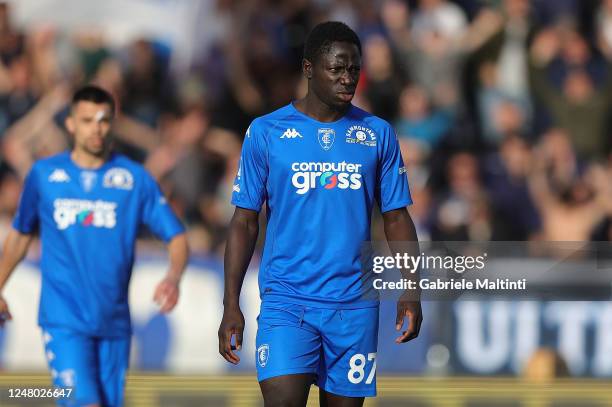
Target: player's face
{"points": [[89, 123], [334, 74]]}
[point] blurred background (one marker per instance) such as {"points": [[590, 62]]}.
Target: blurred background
{"points": [[502, 109]]}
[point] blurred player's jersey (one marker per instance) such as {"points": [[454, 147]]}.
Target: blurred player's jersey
{"points": [[319, 181], [88, 221]]}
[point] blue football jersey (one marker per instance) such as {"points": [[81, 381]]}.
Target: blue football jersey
{"points": [[88, 220], [319, 181]]}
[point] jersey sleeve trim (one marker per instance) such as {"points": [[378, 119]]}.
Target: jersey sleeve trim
{"points": [[396, 205], [173, 234], [246, 206]]}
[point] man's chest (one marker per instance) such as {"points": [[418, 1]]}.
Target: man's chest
{"points": [[324, 157], [86, 198]]}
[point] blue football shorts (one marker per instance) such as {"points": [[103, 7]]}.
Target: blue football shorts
{"points": [[337, 345], [93, 367]]}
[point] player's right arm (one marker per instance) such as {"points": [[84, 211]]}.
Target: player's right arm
{"points": [[19, 237], [14, 250], [243, 232], [249, 194]]}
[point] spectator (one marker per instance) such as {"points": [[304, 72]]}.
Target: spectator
{"points": [[382, 79], [505, 177], [462, 210], [419, 120], [501, 66], [430, 48], [579, 106], [573, 213]]}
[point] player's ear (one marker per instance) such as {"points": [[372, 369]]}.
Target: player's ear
{"points": [[307, 68], [69, 123]]}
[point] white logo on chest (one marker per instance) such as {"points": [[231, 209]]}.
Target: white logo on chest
{"points": [[118, 178], [291, 133], [59, 175], [100, 214], [361, 135]]}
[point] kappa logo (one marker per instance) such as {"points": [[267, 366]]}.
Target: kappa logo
{"points": [[361, 135], [263, 354], [59, 175], [118, 178], [326, 138], [291, 133], [236, 188]]}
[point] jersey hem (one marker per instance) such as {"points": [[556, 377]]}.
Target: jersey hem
{"points": [[321, 304], [284, 372], [347, 393], [116, 334]]}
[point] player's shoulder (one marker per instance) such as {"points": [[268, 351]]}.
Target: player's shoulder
{"points": [[125, 161], [54, 160], [122, 164], [376, 123], [55, 164], [263, 124]]}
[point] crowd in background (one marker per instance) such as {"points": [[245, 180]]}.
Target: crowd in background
{"points": [[503, 108]]}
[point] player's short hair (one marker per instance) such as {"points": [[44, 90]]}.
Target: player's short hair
{"points": [[322, 36], [95, 94]]}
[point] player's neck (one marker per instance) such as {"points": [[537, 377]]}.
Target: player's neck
{"points": [[86, 160], [313, 107]]}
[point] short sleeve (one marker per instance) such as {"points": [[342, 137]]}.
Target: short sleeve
{"points": [[392, 190], [26, 218], [249, 189], [156, 213]]}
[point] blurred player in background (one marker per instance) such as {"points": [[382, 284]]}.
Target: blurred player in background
{"points": [[87, 205], [319, 164]]}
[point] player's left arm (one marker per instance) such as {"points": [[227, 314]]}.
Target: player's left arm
{"points": [[163, 222], [401, 236], [393, 195], [167, 291]]}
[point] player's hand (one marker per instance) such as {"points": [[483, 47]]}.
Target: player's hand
{"points": [[231, 324], [5, 314], [166, 294], [412, 310]]}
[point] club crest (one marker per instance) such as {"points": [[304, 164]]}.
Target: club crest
{"points": [[263, 354], [326, 138]]}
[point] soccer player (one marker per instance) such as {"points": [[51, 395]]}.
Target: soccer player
{"points": [[319, 163], [87, 205]]}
